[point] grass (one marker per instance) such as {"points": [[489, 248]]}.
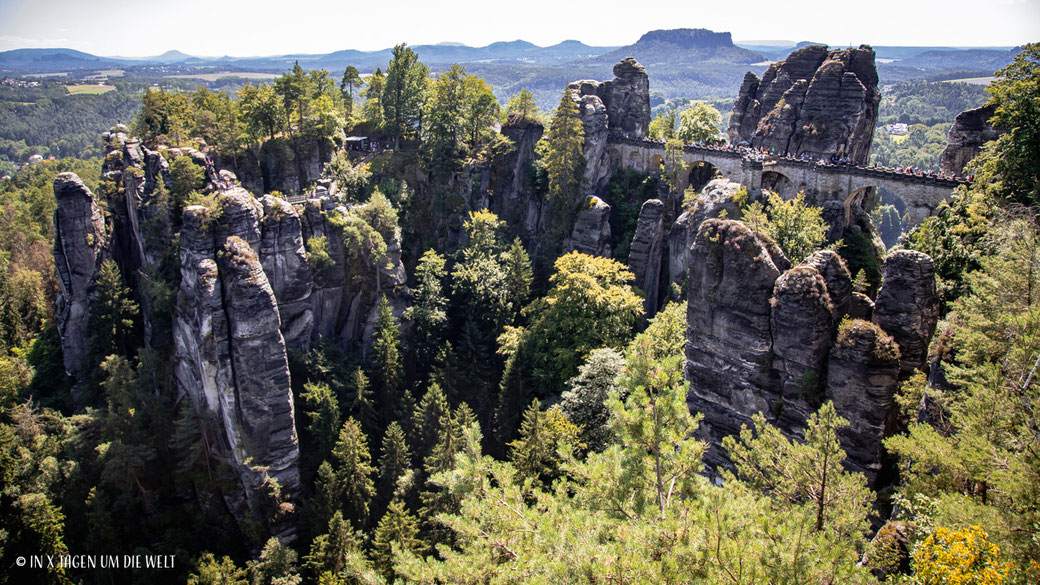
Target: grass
{"points": [[222, 74], [89, 89], [897, 138]]}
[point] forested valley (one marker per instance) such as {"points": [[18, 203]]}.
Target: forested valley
{"points": [[489, 399]]}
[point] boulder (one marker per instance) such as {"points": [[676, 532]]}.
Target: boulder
{"points": [[816, 101], [591, 233], [620, 106], [513, 199], [644, 258], [907, 305], [80, 247], [862, 377]]}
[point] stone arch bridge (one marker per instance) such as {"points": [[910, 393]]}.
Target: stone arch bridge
{"points": [[820, 182]]}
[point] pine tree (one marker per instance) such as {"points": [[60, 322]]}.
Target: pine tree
{"points": [[427, 423], [518, 278], [362, 407], [394, 460], [386, 372], [523, 104], [276, 565], [811, 472], [351, 81], [327, 499], [354, 471], [565, 159], [398, 527], [112, 314], [330, 551], [323, 410], [427, 313]]}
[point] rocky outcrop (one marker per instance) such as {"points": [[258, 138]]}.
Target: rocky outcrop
{"points": [[644, 258], [862, 377], [803, 331], [284, 259], [835, 274], [591, 233], [345, 293], [626, 98], [715, 200], [907, 306], [762, 339], [620, 106], [971, 129], [817, 102], [280, 164], [729, 355], [231, 358], [514, 200], [80, 247]]}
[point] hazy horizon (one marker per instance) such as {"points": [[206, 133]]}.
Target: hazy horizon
{"points": [[269, 27]]}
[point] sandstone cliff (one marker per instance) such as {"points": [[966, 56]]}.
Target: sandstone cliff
{"points": [[971, 129], [816, 101], [80, 246], [762, 337]]}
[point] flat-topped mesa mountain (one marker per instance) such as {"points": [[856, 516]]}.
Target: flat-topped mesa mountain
{"points": [[683, 45], [817, 102], [246, 295]]}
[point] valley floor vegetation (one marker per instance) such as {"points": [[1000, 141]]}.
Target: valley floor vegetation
{"points": [[522, 422]]}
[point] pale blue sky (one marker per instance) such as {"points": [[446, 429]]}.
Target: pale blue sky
{"points": [[268, 27]]}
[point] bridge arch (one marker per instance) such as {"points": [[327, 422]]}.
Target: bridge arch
{"points": [[656, 164], [780, 184], [699, 173]]}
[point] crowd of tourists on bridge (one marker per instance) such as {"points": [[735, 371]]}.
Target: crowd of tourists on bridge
{"points": [[759, 154]]}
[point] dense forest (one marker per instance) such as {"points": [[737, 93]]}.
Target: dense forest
{"points": [[522, 420]]}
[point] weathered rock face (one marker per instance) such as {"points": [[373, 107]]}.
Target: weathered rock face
{"points": [[836, 275], [729, 358], [280, 164], [816, 101], [862, 376], [513, 200], [284, 260], [345, 294], [803, 332], [591, 234], [971, 129], [619, 106], [644, 259], [715, 198], [80, 246], [907, 306], [594, 122], [231, 356], [626, 97]]}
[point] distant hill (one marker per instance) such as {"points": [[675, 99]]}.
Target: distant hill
{"points": [[172, 57], [51, 61], [682, 45]]}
